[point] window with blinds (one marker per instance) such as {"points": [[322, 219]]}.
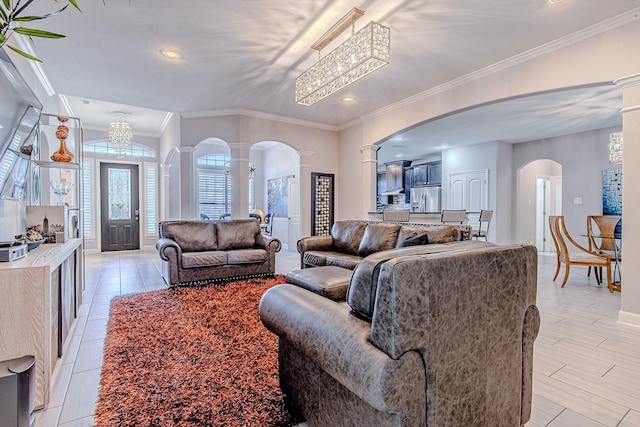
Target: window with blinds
{"points": [[214, 193], [151, 185], [87, 198]]}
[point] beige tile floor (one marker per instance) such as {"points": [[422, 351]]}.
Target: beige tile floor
{"points": [[586, 365]]}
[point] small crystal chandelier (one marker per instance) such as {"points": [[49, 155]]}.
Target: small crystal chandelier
{"points": [[120, 134], [615, 147], [361, 54]]}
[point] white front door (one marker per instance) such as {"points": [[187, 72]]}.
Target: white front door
{"points": [[293, 185]]}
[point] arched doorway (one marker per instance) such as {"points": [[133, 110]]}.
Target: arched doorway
{"points": [[539, 195], [276, 188]]}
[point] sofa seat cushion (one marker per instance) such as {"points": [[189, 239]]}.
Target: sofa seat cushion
{"points": [[247, 256], [329, 281], [203, 259], [191, 236], [347, 236], [378, 237], [343, 260], [238, 234]]}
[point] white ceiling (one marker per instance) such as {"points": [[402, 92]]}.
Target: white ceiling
{"points": [[245, 55]]}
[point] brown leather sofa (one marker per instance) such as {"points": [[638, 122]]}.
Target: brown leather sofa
{"points": [[440, 339], [350, 241], [200, 252]]}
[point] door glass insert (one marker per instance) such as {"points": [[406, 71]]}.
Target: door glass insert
{"points": [[119, 194]]}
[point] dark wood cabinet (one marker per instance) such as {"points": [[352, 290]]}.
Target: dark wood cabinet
{"points": [[395, 174], [434, 173], [427, 174]]}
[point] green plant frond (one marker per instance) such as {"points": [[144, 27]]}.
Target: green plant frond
{"points": [[25, 54], [35, 18], [6, 4], [31, 32], [74, 3]]}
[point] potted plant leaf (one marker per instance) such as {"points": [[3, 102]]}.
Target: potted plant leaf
{"points": [[14, 17]]}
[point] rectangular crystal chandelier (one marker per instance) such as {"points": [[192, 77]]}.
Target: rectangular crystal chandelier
{"points": [[363, 53], [615, 147]]}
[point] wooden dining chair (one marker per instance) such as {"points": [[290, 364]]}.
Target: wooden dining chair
{"points": [[569, 252], [603, 225]]}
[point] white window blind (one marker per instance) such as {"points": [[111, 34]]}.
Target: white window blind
{"points": [[251, 206], [214, 193], [151, 177], [87, 198]]}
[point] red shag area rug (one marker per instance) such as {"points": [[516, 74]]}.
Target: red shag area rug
{"points": [[191, 356]]}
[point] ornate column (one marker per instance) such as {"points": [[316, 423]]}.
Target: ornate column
{"points": [[630, 307], [369, 171], [188, 207], [305, 192], [239, 170]]}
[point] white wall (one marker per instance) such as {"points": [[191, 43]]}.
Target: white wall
{"points": [[583, 157], [280, 160], [479, 157]]}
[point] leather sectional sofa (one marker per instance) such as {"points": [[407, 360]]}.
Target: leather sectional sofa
{"points": [[199, 252], [433, 339], [351, 241]]}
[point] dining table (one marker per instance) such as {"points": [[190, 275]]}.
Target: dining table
{"points": [[616, 258]]}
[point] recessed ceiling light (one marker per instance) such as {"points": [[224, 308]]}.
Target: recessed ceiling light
{"points": [[348, 99], [171, 54], [554, 1]]}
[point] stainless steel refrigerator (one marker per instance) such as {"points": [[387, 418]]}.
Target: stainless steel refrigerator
{"points": [[425, 199]]}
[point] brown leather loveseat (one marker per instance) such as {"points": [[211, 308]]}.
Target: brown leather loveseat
{"points": [[199, 252], [352, 240]]}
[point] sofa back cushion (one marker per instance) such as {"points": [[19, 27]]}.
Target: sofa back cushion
{"points": [[378, 237], [191, 236], [362, 291], [411, 235], [347, 236], [237, 234]]}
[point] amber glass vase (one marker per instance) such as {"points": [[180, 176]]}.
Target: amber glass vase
{"points": [[63, 154]]}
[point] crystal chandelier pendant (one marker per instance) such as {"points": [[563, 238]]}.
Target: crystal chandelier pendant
{"points": [[120, 135]]}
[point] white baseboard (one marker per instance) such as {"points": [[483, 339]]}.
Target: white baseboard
{"points": [[631, 319]]}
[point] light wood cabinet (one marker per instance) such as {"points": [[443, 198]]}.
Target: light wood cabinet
{"points": [[39, 298]]}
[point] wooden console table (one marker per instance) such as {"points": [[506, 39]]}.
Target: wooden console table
{"points": [[39, 298]]}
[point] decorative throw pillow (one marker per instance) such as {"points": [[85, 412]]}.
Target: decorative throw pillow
{"points": [[415, 239], [443, 234], [378, 237]]}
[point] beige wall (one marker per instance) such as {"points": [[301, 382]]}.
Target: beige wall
{"points": [[317, 146]]}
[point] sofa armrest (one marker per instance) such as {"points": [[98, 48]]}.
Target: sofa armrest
{"points": [[168, 249], [270, 244], [337, 342], [313, 243]]}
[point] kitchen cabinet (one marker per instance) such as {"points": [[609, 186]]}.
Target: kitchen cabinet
{"points": [[427, 174], [395, 175], [434, 173]]}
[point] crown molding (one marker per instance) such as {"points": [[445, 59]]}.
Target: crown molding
{"points": [[584, 34], [259, 115]]}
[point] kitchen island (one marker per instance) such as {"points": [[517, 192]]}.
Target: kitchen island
{"points": [[426, 217]]}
